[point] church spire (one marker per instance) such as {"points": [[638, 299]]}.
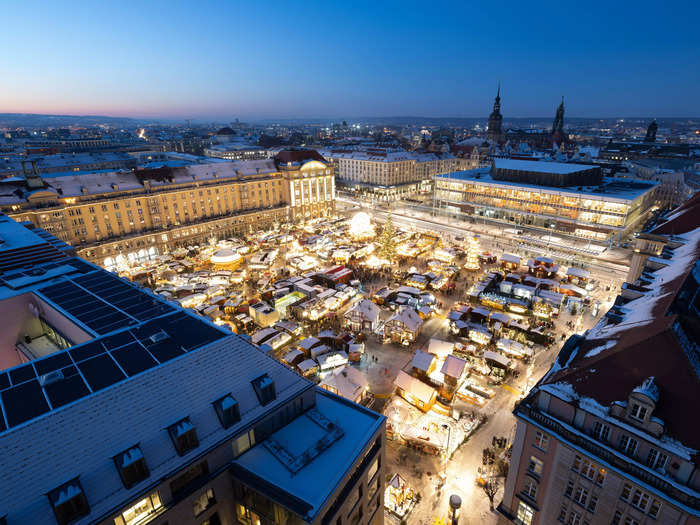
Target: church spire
{"points": [[558, 124], [496, 119]]}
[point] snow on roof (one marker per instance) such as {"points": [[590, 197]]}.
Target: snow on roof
{"points": [[439, 347], [309, 343], [611, 189], [348, 381], [578, 272], [367, 308], [510, 258], [650, 340], [154, 399], [649, 389], [422, 360], [409, 318], [307, 365], [315, 482], [410, 384], [541, 166], [292, 355], [453, 366], [498, 358]]}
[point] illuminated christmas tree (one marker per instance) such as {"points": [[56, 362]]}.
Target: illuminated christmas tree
{"points": [[473, 250], [387, 241]]}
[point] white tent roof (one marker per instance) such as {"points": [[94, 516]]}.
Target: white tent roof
{"points": [[422, 360], [419, 389], [453, 366]]}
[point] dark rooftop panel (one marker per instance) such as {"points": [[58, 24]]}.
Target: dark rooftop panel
{"points": [[165, 350], [100, 372], [24, 402], [133, 358], [66, 390], [116, 340], [22, 374], [86, 351], [51, 363]]}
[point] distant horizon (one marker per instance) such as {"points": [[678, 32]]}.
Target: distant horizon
{"points": [[317, 60], [311, 120]]}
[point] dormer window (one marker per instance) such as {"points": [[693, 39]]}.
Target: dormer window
{"points": [[227, 410], [264, 388], [638, 412], [69, 502], [184, 436], [131, 466]]}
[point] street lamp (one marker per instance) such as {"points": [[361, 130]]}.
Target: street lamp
{"points": [[455, 504], [447, 449]]}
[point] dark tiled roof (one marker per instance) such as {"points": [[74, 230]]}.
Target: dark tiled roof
{"points": [[683, 219], [299, 155]]}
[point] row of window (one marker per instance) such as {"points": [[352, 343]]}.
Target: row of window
{"points": [[69, 501]]}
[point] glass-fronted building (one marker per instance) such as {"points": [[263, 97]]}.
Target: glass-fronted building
{"points": [[599, 212]]}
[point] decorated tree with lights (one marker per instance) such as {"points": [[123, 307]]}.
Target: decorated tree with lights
{"points": [[387, 241], [473, 250]]}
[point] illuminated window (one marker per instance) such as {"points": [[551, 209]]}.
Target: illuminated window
{"points": [[525, 514], [203, 502], [541, 440], [243, 443], [140, 510], [535, 466]]}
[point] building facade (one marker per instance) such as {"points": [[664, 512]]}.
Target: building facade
{"points": [[601, 212], [391, 173], [606, 436], [119, 408], [142, 213]]}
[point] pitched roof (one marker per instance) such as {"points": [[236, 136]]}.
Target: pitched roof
{"points": [[651, 340], [422, 360], [420, 390], [682, 220], [299, 155], [453, 366]]}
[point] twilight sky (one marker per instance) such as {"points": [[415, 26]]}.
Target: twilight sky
{"points": [[305, 59]]}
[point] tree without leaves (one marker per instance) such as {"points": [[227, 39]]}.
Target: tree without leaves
{"points": [[491, 489]]}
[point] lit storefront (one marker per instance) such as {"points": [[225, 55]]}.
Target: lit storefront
{"points": [[595, 212]]}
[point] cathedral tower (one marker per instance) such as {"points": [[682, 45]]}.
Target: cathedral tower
{"points": [[495, 132]]}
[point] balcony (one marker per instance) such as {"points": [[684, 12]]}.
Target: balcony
{"points": [[686, 497]]}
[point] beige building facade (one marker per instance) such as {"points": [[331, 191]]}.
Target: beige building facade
{"points": [[140, 214]]}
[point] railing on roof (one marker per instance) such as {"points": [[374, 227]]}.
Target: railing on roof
{"points": [[627, 466]]}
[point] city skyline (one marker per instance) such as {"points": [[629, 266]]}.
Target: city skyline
{"points": [[332, 61]]}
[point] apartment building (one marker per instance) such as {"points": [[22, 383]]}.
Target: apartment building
{"points": [[609, 436], [144, 212], [64, 162], [119, 408], [389, 172]]}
